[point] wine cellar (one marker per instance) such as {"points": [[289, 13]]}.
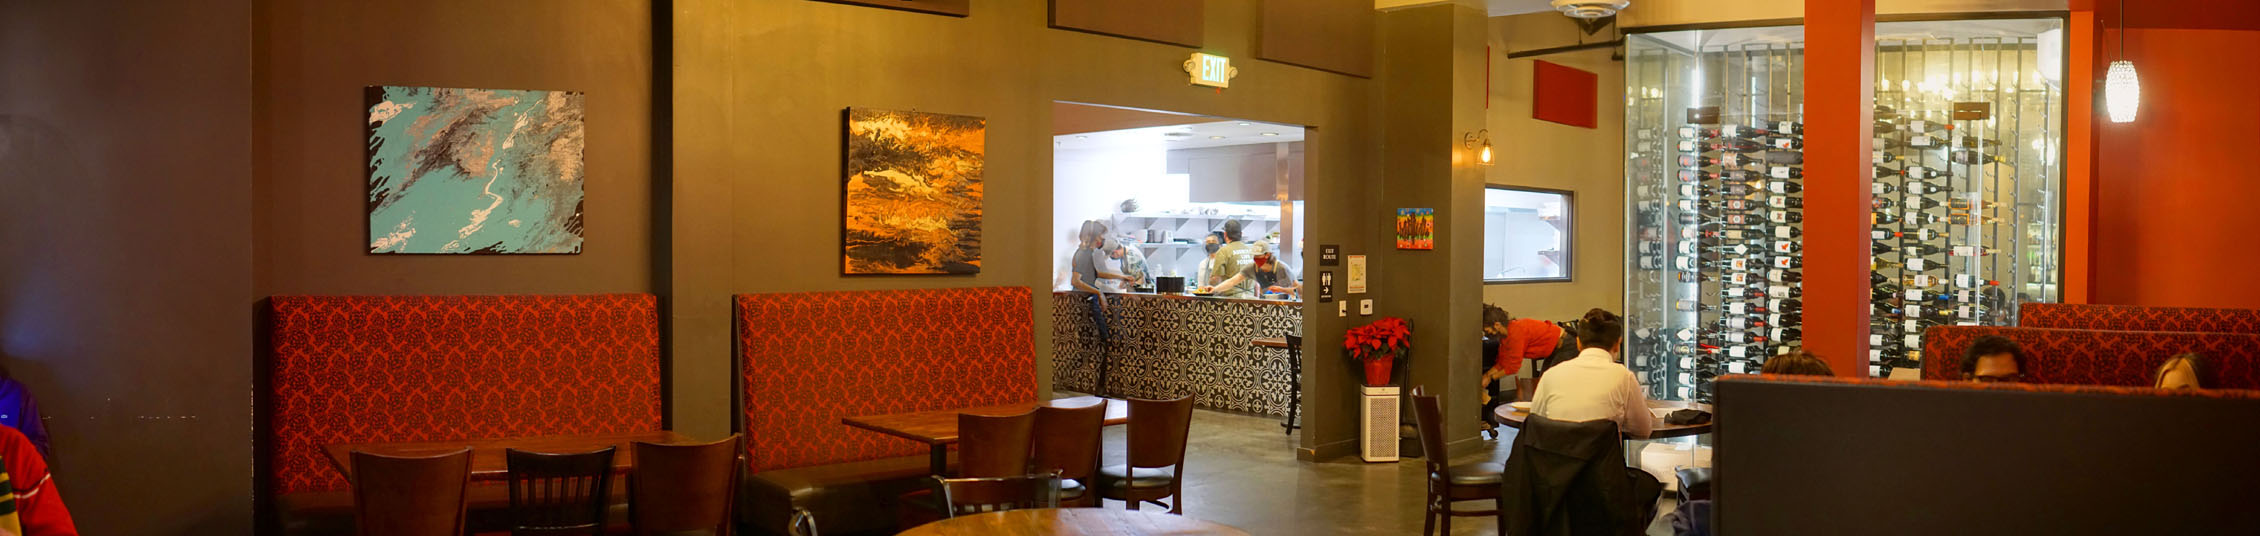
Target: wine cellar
{"points": [[1968, 126]]}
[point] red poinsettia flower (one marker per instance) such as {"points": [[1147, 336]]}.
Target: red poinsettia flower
{"points": [[1386, 336]]}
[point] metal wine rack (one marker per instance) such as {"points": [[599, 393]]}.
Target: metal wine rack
{"points": [[1714, 166]]}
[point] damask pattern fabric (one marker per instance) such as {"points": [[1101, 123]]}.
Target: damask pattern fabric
{"points": [[812, 359], [2099, 357], [355, 369], [2138, 318], [1169, 347], [2236, 394]]}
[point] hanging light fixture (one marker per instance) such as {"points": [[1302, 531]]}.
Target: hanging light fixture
{"points": [[2122, 90], [1479, 142]]}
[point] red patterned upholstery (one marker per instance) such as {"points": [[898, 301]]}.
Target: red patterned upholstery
{"points": [[426, 368], [2099, 357], [811, 359], [2137, 318], [2240, 394]]}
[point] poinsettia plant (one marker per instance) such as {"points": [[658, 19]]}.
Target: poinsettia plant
{"points": [[1383, 339]]}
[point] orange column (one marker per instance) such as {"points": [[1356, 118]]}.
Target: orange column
{"points": [[1839, 109], [2079, 152]]}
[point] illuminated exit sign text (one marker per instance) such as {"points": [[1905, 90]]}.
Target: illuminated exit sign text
{"points": [[1211, 70]]}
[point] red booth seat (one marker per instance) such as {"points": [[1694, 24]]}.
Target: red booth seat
{"points": [[2138, 318], [356, 369], [809, 360], [2099, 357]]}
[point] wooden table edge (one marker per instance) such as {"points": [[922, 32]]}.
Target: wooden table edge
{"points": [[1505, 410]]}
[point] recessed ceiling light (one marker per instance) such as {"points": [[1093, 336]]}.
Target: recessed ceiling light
{"points": [[1243, 124], [1216, 137], [1082, 137], [1270, 133]]}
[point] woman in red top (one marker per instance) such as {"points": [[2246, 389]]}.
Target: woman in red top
{"points": [[1507, 341]]}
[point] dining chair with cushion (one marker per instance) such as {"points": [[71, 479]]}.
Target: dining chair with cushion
{"points": [[559, 493], [1067, 441], [1155, 453], [965, 496], [1447, 483], [682, 489], [410, 496]]}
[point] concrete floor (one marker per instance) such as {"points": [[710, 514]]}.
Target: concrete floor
{"points": [[1243, 473]]}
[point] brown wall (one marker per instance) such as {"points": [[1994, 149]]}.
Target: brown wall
{"points": [[126, 293], [1545, 154], [759, 89], [314, 57]]}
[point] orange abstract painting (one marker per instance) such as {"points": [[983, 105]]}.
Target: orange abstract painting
{"points": [[913, 192]]}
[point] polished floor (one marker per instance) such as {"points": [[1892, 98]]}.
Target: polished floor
{"points": [[1243, 473]]}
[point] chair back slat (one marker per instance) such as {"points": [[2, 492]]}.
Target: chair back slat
{"points": [[1157, 432], [682, 488], [1428, 418], [410, 496], [964, 496], [559, 493], [993, 446]]}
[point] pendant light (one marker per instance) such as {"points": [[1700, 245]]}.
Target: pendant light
{"points": [[2122, 90]]}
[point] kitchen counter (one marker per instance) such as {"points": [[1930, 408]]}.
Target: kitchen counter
{"points": [[1171, 345]]}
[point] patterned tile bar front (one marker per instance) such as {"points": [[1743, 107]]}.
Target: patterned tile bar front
{"points": [[1171, 346]]}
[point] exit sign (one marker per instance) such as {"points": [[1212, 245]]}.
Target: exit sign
{"points": [[1211, 70]]}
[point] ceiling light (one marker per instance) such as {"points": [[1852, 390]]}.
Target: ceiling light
{"points": [[1590, 9], [1243, 124], [2122, 90], [1270, 133], [1082, 137], [1216, 137]]}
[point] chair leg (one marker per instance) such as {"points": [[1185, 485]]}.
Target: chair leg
{"points": [[1447, 516], [1130, 503], [1428, 517], [1177, 497]]}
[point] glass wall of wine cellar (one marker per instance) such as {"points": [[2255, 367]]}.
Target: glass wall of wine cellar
{"points": [[1966, 205]]}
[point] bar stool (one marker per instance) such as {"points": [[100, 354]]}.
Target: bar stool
{"points": [[1294, 382]]}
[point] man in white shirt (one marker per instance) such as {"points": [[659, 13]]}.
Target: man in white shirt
{"points": [[1593, 386]]}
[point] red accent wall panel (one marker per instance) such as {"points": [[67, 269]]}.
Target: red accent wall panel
{"points": [[2174, 214], [353, 369], [1563, 94], [811, 359], [1840, 95], [2100, 357]]}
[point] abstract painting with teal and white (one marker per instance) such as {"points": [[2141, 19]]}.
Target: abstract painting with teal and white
{"points": [[479, 171]]}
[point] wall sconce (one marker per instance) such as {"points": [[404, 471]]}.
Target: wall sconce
{"points": [[1479, 142]]}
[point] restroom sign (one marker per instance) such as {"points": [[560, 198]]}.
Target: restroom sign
{"points": [[1211, 70]]}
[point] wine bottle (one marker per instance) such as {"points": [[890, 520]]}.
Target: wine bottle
{"points": [[1965, 204], [1882, 188], [1922, 173], [1744, 131], [1916, 202], [1789, 263], [1784, 276], [1728, 189], [1970, 157], [1651, 263], [1786, 334], [1910, 249], [1785, 187], [1697, 132], [1787, 143], [1792, 291], [1785, 158], [1885, 290], [1783, 201], [1966, 219], [1881, 203], [1883, 218], [1724, 144], [1969, 251], [1923, 188], [1695, 175], [1973, 142], [1726, 159], [1883, 157], [1785, 172], [1736, 322], [1924, 127], [1885, 113], [1788, 128]]}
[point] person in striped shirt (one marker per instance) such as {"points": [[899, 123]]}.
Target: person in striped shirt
{"points": [[33, 507]]}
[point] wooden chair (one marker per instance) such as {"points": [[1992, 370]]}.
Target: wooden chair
{"points": [[410, 496], [679, 489], [962, 496], [1156, 454], [1067, 442], [1449, 483], [802, 524], [559, 493], [993, 446]]}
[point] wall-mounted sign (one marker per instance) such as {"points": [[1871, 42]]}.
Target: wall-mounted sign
{"points": [[1357, 274], [1325, 286], [1211, 70], [1329, 255]]}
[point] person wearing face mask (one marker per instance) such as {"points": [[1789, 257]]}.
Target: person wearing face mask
{"points": [[1594, 386], [1263, 275], [1229, 260], [1208, 275]]}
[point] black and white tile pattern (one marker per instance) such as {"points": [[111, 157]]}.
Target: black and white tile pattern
{"points": [[1171, 347]]}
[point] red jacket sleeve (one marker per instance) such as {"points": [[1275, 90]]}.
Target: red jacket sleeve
{"points": [[1510, 352], [38, 506]]}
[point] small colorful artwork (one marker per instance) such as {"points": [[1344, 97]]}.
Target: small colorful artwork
{"points": [[913, 192], [474, 171], [1416, 228]]}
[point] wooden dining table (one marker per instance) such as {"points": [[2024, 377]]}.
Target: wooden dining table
{"points": [[1072, 522], [938, 428], [488, 461], [1512, 417]]}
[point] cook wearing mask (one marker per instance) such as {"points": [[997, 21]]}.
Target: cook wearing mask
{"points": [[1208, 275], [1263, 275], [1230, 259]]}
